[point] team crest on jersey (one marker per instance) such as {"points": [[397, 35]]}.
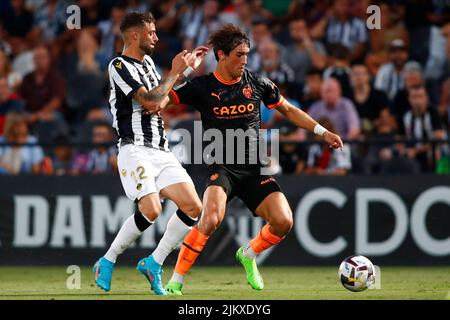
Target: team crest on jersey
{"points": [[247, 91], [119, 65]]}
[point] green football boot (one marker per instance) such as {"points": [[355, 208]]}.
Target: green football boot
{"points": [[174, 289], [254, 278]]}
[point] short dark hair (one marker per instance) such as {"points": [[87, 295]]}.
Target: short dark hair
{"points": [[136, 19], [314, 72], [259, 20], [227, 38]]}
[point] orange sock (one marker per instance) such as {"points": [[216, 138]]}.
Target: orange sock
{"points": [[264, 240], [192, 245]]}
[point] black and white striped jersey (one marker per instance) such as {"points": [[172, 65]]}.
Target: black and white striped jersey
{"points": [[126, 75], [421, 126], [348, 33]]}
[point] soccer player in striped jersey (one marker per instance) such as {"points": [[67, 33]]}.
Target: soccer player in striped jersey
{"points": [[147, 168]]}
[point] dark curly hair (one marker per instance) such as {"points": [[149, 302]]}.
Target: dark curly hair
{"points": [[227, 38], [136, 19]]}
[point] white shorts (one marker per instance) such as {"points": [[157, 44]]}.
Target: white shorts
{"points": [[146, 170]]}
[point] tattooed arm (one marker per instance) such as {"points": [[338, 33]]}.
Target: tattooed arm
{"points": [[151, 100]]}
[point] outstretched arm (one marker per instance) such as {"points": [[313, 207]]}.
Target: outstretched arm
{"points": [[303, 120]]}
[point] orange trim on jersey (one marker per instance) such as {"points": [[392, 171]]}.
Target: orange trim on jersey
{"points": [[223, 81], [271, 106], [175, 96]]}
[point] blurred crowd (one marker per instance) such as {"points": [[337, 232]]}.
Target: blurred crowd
{"points": [[375, 87]]}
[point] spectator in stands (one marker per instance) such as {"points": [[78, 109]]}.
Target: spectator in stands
{"points": [[272, 118], [339, 27], [103, 159], [191, 10], [110, 30], [273, 67], [417, 19], [50, 19], [242, 15], [304, 53], [369, 102], [260, 31], [390, 77], [17, 22], [17, 158], [434, 67], [341, 111], [14, 79], [92, 12], [313, 11], [9, 102], [322, 160], [339, 68], [4, 45], [292, 154], [136, 5], [65, 160], [258, 9], [385, 155], [44, 89], [437, 65], [84, 71], [421, 123], [392, 27], [412, 78], [311, 89], [199, 30]]}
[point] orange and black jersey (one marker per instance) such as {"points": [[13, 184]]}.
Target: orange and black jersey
{"points": [[229, 105]]}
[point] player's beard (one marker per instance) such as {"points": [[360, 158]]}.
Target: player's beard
{"points": [[146, 48]]}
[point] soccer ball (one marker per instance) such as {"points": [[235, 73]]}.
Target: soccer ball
{"points": [[356, 273]]}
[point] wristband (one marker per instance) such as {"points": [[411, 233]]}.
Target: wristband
{"points": [[187, 72], [318, 129]]}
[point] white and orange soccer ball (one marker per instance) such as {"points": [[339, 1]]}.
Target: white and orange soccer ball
{"points": [[356, 273]]}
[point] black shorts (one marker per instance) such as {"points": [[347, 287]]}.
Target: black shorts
{"points": [[247, 184]]}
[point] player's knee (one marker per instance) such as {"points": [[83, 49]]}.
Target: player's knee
{"points": [[288, 223], [150, 209], [192, 208], [211, 222], [283, 224]]}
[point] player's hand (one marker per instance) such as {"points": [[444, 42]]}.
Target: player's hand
{"points": [[333, 140], [147, 112], [197, 56], [152, 112], [180, 62]]}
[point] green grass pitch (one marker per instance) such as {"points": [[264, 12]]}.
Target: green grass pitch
{"points": [[222, 283]]}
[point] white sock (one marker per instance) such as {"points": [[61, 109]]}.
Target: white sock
{"points": [[175, 232], [249, 253], [128, 233], [176, 277]]}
